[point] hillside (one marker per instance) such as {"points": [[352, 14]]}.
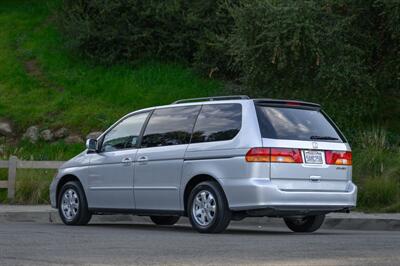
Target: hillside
{"points": [[43, 84]]}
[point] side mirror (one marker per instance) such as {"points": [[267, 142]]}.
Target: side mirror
{"points": [[91, 145]]}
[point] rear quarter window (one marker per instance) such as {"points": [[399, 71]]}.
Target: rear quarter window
{"points": [[296, 124], [170, 126], [217, 122]]}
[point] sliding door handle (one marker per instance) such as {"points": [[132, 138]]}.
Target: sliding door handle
{"points": [[143, 159]]}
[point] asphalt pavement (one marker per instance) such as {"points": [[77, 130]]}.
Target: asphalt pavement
{"points": [[348, 221], [128, 243]]}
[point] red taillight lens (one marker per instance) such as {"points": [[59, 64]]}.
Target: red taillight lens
{"points": [[275, 155], [258, 155], [339, 157], [286, 155]]}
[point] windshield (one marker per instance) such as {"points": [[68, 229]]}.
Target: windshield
{"points": [[295, 124]]}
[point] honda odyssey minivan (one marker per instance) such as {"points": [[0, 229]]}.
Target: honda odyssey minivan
{"points": [[213, 160]]}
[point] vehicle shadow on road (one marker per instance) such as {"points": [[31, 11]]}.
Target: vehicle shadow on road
{"points": [[187, 229]]}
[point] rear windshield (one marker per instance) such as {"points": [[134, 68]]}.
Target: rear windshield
{"points": [[295, 124]]}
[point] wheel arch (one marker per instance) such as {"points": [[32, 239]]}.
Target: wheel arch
{"points": [[193, 182], [63, 180]]}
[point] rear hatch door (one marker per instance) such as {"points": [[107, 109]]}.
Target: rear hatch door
{"points": [[305, 131]]}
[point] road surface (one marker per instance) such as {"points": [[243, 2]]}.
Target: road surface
{"points": [[26, 243]]}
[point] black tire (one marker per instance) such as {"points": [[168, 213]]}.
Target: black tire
{"points": [[305, 224], [82, 216], [222, 214], [164, 220]]}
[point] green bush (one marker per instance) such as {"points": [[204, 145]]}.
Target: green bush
{"points": [[378, 192], [113, 31], [376, 165], [300, 50], [329, 51], [32, 186]]}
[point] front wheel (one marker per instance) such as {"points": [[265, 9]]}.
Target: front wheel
{"points": [[72, 205], [165, 220], [306, 224], [208, 208]]}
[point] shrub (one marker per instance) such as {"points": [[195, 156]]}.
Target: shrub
{"points": [[377, 171], [112, 31], [374, 156], [378, 192], [332, 51], [32, 186], [299, 49]]}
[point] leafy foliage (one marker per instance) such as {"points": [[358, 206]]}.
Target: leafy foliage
{"points": [[298, 49], [377, 171], [326, 51], [113, 30]]}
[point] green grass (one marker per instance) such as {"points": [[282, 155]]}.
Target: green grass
{"points": [[32, 186], [70, 91], [43, 83], [377, 172]]}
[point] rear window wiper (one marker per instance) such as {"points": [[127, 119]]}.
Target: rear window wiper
{"points": [[324, 138]]}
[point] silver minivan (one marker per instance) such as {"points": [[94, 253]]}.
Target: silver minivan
{"points": [[213, 160]]}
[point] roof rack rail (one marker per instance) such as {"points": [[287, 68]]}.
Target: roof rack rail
{"points": [[214, 98]]}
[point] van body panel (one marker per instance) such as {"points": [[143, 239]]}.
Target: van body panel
{"points": [[160, 174]]}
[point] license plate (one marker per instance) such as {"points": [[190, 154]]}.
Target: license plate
{"points": [[313, 157]]}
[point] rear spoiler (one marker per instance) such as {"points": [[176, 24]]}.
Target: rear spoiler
{"points": [[287, 103]]}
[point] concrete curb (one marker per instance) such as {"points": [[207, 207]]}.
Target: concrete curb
{"points": [[352, 221]]}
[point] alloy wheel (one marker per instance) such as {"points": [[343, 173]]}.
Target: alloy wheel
{"points": [[70, 204], [204, 208]]}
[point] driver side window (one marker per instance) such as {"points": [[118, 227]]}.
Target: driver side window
{"points": [[125, 135]]}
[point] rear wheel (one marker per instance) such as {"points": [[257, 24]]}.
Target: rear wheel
{"points": [[208, 208], [72, 205], [165, 220], [306, 224]]}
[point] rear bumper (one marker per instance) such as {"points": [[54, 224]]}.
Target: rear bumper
{"points": [[258, 193]]}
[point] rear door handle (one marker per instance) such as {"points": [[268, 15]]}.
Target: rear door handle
{"points": [[143, 159]]}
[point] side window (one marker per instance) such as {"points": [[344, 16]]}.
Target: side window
{"points": [[125, 135], [217, 122], [170, 126]]}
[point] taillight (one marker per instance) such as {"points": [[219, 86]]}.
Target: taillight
{"points": [[275, 155], [338, 157], [258, 155], [279, 155]]}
